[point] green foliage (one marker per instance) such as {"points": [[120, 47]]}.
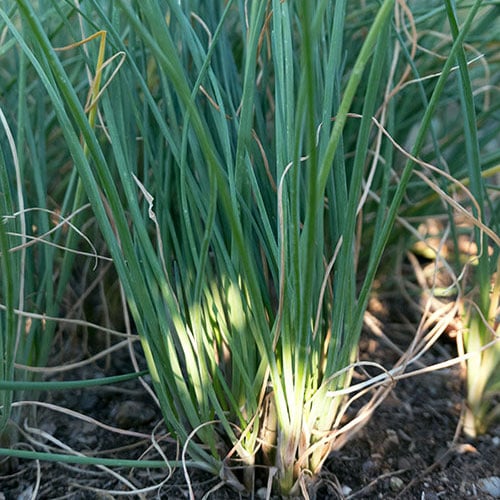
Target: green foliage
{"points": [[245, 206], [34, 192], [481, 338]]}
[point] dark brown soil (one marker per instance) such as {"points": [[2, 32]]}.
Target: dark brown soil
{"points": [[409, 450]]}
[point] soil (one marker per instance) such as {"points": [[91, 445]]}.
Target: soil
{"points": [[412, 447]]}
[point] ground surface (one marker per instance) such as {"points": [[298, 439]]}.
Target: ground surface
{"points": [[408, 450]]}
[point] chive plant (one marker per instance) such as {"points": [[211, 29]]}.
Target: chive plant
{"points": [[32, 281], [463, 144], [227, 174], [482, 305]]}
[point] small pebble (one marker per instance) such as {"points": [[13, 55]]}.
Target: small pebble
{"points": [[490, 485], [430, 496], [396, 483], [262, 493], [370, 468], [346, 490]]}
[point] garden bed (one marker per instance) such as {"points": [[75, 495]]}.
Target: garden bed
{"points": [[409, 450]]}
